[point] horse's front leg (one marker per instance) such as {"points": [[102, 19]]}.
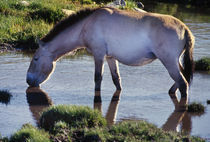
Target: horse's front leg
{"points": [[113, 66], [99, 69]]}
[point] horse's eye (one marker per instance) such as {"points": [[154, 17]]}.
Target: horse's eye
{"points": [[35, 58]]}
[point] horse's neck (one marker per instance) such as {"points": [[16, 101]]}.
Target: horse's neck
{"points": [[65, 42]]}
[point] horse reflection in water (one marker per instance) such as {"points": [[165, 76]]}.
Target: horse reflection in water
{"points": [[179, 118], [38, 101], [132, 38], [113, 106]]}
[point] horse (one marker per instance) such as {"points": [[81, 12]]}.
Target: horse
{"points": [[129, 37]]}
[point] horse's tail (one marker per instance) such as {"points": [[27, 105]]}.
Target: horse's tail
{"points": [[188, 62]]}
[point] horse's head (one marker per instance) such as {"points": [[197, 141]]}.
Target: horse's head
{"points": [[41, 66]]}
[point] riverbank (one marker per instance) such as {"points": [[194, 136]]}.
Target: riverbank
{"points": [[21, 22], [78, 123], [196, 3]]}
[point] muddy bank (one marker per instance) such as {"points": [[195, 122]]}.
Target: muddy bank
{"points": [[5, 47]]}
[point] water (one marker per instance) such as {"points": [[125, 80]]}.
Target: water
{"points": [[144, 95]]}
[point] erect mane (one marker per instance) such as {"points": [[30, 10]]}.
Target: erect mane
{"points": [[69, 21]]}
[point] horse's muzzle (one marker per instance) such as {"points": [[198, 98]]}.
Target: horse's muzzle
{"points": [[32, 82]]}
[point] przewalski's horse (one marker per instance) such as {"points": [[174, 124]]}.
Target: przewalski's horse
{"points": [[132, 38]]}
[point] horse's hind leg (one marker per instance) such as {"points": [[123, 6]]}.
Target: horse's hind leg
{"points": [[174, 87], [113, 66], [174, 70], [172, 91]]}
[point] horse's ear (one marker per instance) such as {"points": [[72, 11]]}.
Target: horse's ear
{"points": [[41, 43]]}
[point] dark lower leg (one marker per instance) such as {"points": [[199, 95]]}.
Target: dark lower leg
{"points": [[183, 88], [98, 79], [97, 97], [117, 82], [99, 65], [172, 91]]}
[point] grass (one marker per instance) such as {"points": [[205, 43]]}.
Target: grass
{"points": [[144, 131], [20, 24], [203, 64], [196, 108], [66, 128], [5, 96], [28, 133], [130, 4], [133, 131], [74, 116]]}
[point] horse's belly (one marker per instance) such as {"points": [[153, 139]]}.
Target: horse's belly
{"points": [[140, 62], [136, 59]]}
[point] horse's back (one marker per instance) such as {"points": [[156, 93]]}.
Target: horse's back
{"points": [[133, 37]]}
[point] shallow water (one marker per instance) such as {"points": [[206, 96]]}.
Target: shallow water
{"points": [[144, 95]]}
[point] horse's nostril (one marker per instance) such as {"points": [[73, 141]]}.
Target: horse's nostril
{"points": [[30, 79]]}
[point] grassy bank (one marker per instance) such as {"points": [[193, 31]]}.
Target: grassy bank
{"points": [[78, 123], [203, 64], [20, 23], [196, 108]]}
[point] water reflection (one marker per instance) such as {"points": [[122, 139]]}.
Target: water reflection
{"points": [[113, 106], [179, 118], [38, 101], [5, 97], [187, 12]]}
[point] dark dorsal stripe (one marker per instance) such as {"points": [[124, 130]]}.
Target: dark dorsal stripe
{"points": [[64, 24]]}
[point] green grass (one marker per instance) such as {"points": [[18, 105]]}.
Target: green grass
{"points": [[196, 107], [74, 116], [28, 133], [5, 96], [203, 64], [131, 131], [130, 4], [144, 131], [20, 25], [71, 123]]}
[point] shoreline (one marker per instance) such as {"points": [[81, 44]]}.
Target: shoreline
{"points": [[5, 47]]}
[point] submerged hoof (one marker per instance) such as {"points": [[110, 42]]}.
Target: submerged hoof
{"points": [[181, 108], [115, 98], [97, 99]]}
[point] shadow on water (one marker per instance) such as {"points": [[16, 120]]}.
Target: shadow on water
{"points": [[38, 101]]}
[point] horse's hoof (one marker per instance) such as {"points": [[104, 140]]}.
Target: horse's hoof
{"points": [[115, 98], [172, 95], [181, 108]]}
